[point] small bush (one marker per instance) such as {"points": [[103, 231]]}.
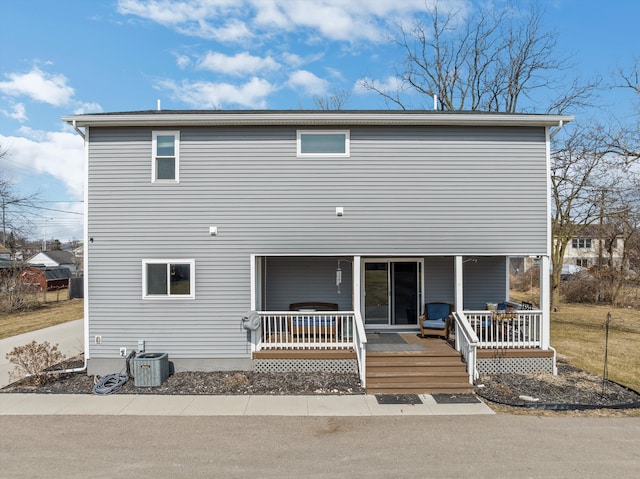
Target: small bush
{"points": [[234, 382], [33, 358], [580, 288], [526, 281]]}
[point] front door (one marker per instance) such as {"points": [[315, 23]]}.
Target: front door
{"points": [[392, 292]]}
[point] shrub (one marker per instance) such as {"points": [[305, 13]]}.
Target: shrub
{"points": [[33, 358], [580, 288], [526, 281]]}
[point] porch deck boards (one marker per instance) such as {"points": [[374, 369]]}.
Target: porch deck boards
{"points": [[305, 354], [437, 369]]}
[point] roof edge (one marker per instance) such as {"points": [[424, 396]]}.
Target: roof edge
{"points": [[318, 117]]}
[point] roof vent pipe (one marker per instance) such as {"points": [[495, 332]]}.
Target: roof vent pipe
{"points": [[158, 104], [435, 101]]}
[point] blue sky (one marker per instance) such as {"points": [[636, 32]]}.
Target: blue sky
{"points": [[77, 56]]}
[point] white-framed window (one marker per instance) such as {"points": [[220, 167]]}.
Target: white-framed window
{"points": [[582, 262], [168, 278], [314, 143], [581, 243], [165, 157]]}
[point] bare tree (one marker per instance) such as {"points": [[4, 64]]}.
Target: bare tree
{"points": [[18, 212], [587, 180], [335, 100], [489, 61]]}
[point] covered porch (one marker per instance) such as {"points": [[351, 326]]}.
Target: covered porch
{"points": [[387, 295]]}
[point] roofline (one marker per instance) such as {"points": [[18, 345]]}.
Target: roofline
{"points": [[172, 118]]}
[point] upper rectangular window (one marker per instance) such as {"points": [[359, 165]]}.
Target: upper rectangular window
{"points": [[581, 243], [166, 156], [323, 143], [168, 278]]}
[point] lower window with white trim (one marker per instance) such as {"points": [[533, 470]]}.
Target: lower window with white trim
{"points": [[162, 278]]}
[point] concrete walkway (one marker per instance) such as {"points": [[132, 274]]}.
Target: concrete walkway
{"points": [[171, 405], [69, 337]]}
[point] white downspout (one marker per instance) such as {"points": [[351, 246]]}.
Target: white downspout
{"points": [[78, 130], [557, 130]]}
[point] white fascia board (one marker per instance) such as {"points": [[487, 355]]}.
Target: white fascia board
{"points": [[317, 118]]}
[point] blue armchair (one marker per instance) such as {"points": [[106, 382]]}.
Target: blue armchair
{"points": [[436, 320]]}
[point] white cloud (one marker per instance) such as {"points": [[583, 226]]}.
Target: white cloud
{"points": [[307, 81], [91, 107], [39, 86], [390, 84], [239, 64], [183, 61], [239, 20], [205, 95], [18, 113], [59, 154], [234, 31]]}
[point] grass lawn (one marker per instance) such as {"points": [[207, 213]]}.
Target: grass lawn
{"points": [[54, 311], [578, 334]]}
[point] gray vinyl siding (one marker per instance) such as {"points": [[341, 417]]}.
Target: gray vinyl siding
{"points": [[485, 281], [439, 279], [294, 280], [410, 191]]}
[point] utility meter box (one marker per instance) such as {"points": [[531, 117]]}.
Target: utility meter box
{"points": [[150, 369]]}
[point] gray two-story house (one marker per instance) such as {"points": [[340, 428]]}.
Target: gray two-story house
{"points": [[318, 228]]}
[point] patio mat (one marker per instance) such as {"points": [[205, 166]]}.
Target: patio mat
{"points": [[385, 338], [455, 398], [398, 399], [390, 342]]}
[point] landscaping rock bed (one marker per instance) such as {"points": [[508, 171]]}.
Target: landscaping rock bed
{"points": [[195, 382], [572, 388]]}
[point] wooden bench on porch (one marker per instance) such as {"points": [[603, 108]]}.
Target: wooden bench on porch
{"points": [[308, 323]]}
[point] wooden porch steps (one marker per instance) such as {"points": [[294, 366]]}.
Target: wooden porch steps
{"points": [[439, 369]]}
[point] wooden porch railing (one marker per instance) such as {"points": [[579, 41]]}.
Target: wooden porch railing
{"points": [[506, 329], [296, 330], [466, 343], [493, 330]]}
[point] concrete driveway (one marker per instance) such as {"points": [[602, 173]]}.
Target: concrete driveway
{"points": [[69, 336]]}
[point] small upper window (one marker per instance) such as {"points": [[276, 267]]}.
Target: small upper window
{"points": [[581, 243], [168, 278], [165, 156], [323, 143]]}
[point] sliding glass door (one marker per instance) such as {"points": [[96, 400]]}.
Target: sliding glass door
{"points": [[392, 292]]}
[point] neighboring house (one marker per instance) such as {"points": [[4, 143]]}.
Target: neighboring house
{"points": [[45, 278], [53, 258], [591, 248], [199, 218]]}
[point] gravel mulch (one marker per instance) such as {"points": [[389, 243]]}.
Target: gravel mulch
{"points": [[194, 382], [569, 388]]}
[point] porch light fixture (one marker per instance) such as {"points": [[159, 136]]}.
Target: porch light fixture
{"points": [[338, 277], [213, 230], [339, 211]]}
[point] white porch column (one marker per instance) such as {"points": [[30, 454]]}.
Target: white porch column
{"points": [[458, 299], [357, 289], [545, 303]]}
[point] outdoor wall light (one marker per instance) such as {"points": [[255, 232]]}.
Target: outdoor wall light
{"points": [[213, 230], [339, 211]]}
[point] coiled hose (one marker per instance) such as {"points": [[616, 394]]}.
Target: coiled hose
{"points": [[111, 383]]}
